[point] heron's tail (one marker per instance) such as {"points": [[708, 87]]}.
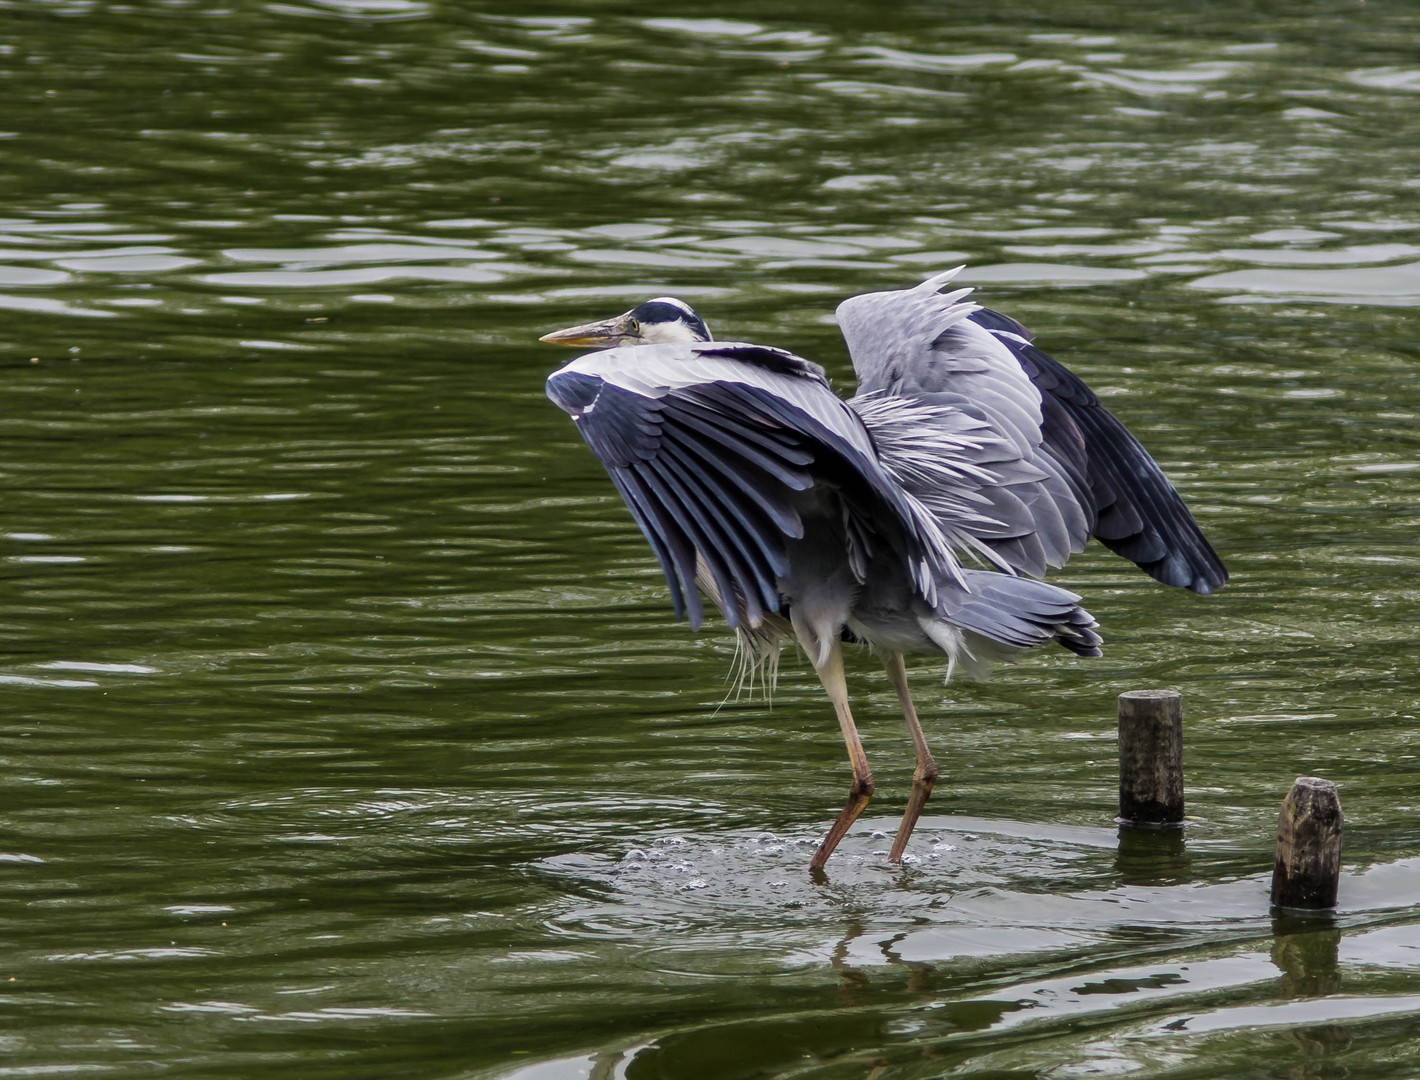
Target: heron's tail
{"points": [[998, 615]]}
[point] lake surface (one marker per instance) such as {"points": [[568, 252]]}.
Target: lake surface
{"points": [[347, 732]]}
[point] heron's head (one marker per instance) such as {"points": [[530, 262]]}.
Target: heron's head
{"points": [[663, 319]]}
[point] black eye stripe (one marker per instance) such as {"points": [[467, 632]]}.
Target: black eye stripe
{"points": [[659, 311]]}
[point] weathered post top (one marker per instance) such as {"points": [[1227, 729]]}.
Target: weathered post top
{"points": [[1151, 695], [1151, 756], [1307, 873]]}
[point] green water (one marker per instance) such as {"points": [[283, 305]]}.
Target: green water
{"points": [[346, 731]]}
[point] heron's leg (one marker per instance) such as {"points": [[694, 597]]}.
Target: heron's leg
{"points": [[925, 775], [830, 673]]}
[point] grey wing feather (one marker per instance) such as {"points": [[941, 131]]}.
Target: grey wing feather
{"points": [[720, 503], [943, 354], [707, 444], [1138, 513], [987, 498]]}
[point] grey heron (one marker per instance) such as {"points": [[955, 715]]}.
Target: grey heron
{"points": [[799, 513]]}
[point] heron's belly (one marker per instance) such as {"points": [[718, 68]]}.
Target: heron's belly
{"points": [[893, 635], [882, 607]]}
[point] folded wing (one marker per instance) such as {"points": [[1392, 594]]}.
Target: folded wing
{"points": [[708, 444]]}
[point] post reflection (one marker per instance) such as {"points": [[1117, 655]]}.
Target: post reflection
{"points": [[1152, 855]]}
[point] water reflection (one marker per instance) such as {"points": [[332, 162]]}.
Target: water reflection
{"points": [[1152, 856], [1306, 953], [919, 1027]]}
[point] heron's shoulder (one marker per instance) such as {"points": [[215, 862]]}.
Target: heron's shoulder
{"points": [[670, 364], [778, 361]]}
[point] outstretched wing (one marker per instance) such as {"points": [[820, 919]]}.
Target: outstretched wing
{"points": [[708, 443], [1097, 480], [988, 495]]}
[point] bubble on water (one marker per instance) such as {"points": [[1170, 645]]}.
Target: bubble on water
{"points": [[696, 883], [635, 855], [774, 849], [878, 834]]}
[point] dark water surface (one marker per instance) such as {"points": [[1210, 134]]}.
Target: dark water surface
{"points": [[346, 732]]}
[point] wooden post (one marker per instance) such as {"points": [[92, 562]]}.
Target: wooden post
{"points": [[1151, 756], [1308, 868]]}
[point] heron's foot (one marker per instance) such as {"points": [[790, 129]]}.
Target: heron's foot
{"points": [[922, 781], [858, 797]]}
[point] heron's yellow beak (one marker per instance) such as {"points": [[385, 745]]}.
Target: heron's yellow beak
{"points": [[596, 335]]}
